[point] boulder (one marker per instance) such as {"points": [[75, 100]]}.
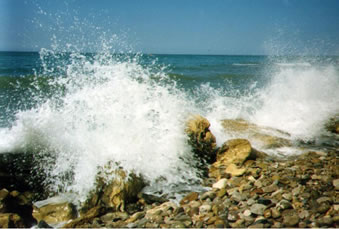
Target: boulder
{"points": [[114, 192], [201, 139], [54, 210], [231, 157], [267, 137]]}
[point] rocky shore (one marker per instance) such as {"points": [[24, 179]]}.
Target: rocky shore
{"points": [[246, 188]]}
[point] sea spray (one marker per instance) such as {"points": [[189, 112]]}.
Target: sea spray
{"points": [[295, 98], [107, 110]]}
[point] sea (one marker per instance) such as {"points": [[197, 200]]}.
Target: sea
{"points": [[75, 111]]}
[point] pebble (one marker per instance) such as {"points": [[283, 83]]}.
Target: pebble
{"points": [[221, 184], [336, 184], [258, 209]]}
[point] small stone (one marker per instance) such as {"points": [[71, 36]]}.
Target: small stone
{"points": [[258, 209], [275, 213], [267, 213], [205, 208], [290, 218], [232, 216], [264, 201], [238, 196], [219, 223], [221, 184], [324, 207], [287, 196], [336, 184], [190, 197], [221, 193], [304, 214], [208, 195], [284, 204], [247, 213], [270, 188], [324, 199], [325, 221]]}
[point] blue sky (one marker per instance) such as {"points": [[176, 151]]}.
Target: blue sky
{"points": [[306, 27]]}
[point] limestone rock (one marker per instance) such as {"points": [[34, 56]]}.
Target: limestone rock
{"points": [[238, 151], [257, 133], [8, 220], [115, 193], [201, 139], [54, 210]]}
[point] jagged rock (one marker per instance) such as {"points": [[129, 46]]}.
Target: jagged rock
{"points": [[54, 210], [231, 157], [8, 220], [238, 151], [201, 139], [115, 193]]}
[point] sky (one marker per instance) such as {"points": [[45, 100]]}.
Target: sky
{"points": [[273, 27]]}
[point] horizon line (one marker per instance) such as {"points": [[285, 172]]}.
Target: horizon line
{"points": [[178, 54]]}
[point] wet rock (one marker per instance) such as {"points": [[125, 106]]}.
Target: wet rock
{"points": [[201, 139], [189, 197], [54, 210], [114, 193], [8, 220], [258, 209]]}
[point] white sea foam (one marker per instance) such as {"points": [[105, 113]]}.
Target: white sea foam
{"points": [[299, 101], [111, 110]]}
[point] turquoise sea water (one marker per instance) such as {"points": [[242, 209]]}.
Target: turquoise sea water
{"points": [[76, 111]]}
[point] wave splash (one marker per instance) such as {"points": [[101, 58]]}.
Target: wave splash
{"points": [[106, 109]]}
